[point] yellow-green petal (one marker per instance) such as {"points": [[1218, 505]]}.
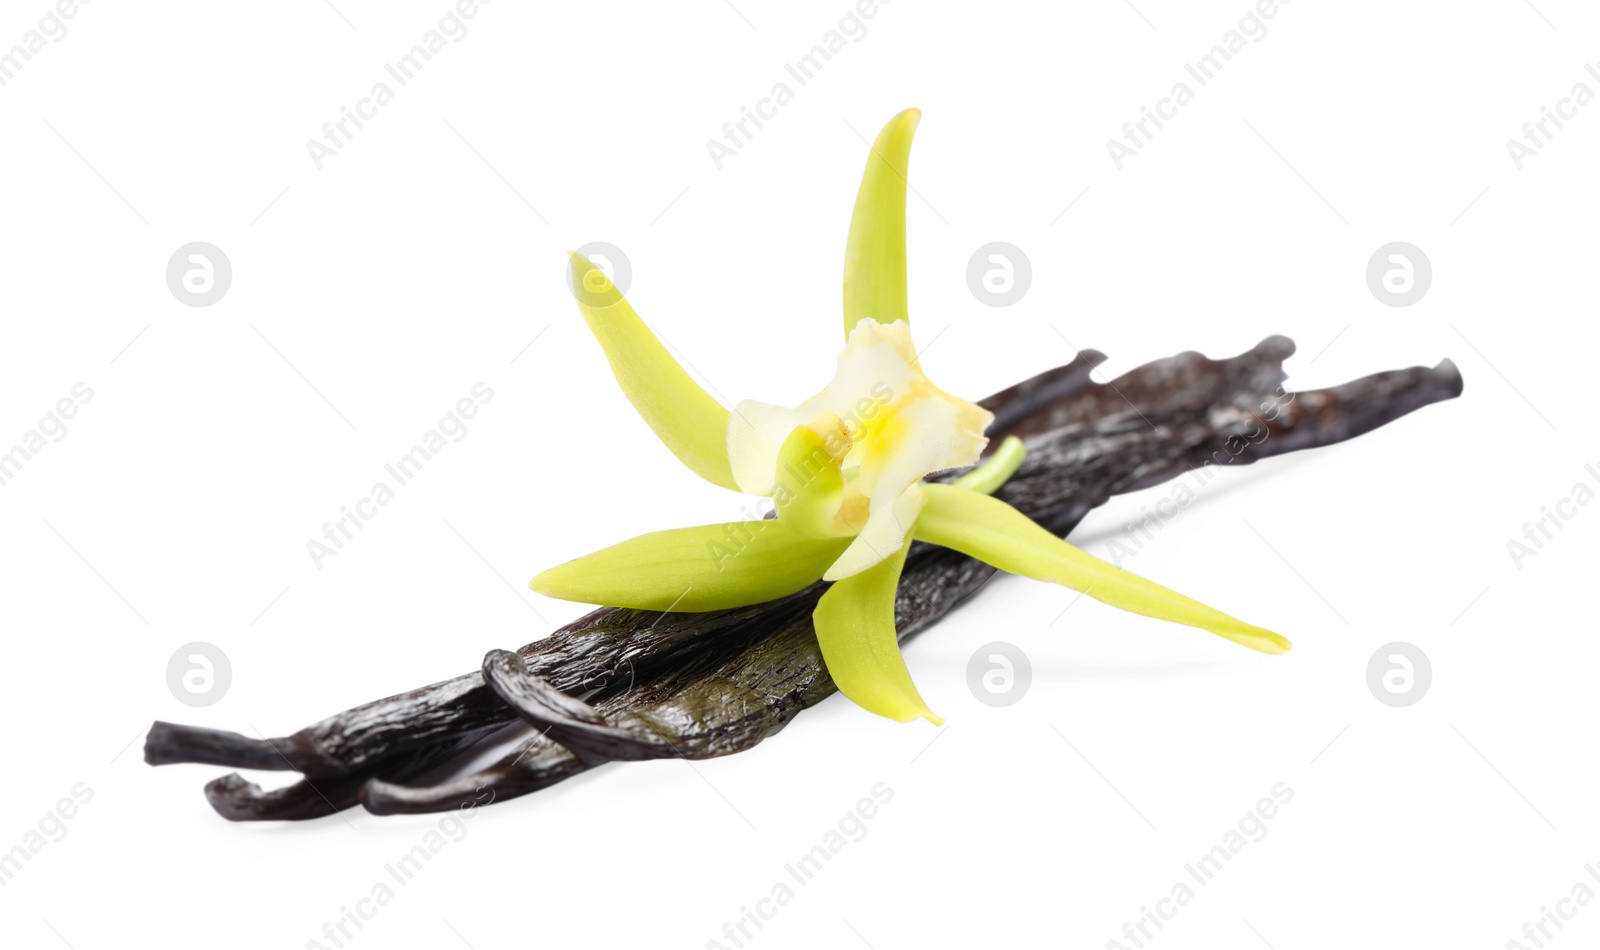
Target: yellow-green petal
{"points": [[993, 531], [689, 422], [855, 629], [709, 567], [995, 470], [875, 252], [808, 487]]}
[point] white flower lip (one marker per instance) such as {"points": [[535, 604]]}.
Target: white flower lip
{"points": [[900, 425]]}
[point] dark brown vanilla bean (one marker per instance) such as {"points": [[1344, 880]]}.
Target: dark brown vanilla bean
{"points": [[702, 685]]}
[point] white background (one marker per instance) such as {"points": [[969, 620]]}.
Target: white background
{"points": [[371, 295]]}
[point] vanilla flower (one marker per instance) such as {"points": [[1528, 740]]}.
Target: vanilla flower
{"points": [[845, 470]]}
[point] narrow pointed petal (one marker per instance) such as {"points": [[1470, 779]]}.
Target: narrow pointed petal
{"points": [[855, 629], [709, 567], [875, 252], [691, 424], [993, 531]]}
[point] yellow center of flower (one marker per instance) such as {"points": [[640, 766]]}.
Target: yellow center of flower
{"points": [[885, 426], [845, 470]]}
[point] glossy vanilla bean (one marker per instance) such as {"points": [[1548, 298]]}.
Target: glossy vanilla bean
{"points": [[702, 685]]}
